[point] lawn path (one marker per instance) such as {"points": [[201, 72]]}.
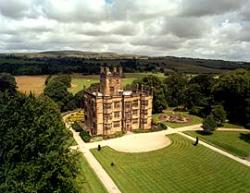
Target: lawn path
{"points": [[95, 165]]}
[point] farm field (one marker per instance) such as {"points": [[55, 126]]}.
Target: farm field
{"points": [[35, 84], [193, 119], [180, 167], [87, 181], [27, 84], [231, 141]]}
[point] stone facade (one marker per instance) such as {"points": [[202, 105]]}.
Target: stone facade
{"points": [[110, 109]]}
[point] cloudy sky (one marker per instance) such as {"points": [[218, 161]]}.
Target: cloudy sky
{"points": [[191, 28]]}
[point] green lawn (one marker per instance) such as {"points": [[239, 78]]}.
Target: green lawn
{"points": [[180, 167], [87, 180], [233, 126], [195, 119], [229, 141], [79, 81]]}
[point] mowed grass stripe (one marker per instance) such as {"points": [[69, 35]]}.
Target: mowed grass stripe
{"points": [[229, 141], [180, 167]]}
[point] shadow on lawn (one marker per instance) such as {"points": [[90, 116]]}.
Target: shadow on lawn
{"points": [[245, 137], [203, 132]]}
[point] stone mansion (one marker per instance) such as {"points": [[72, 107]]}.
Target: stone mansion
{"points": [[110, 109]]}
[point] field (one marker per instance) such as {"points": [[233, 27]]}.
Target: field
{"points": [[87, 180], [194, 119], [35, 84], [180, 167], [230, 141]]}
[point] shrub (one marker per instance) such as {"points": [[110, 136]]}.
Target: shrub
{"points": [[76, 127], [85, 136], [219, 114], [209, 124], [162, 126]]}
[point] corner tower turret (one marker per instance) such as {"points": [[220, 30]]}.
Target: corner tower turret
{"points": [[110, 81]]}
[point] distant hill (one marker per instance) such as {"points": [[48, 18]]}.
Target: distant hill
{"points": [[52, 62], [80, 54]]}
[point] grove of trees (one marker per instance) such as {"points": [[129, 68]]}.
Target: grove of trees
{"points": [[224, 97]]}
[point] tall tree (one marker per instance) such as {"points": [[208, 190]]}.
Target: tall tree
{"points": [[232, 90], [175, 86], [34, 148]]}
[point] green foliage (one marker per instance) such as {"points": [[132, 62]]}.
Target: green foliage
{"points": [[34, 148], [159, 101], [58, 92], [209, 124], [175, 86], [63, 78], [76, 127], [79, 99], [7, 82], [233, 90], [159, 98], [85, 136], [219, 114], [48, 79], [163, 126]]}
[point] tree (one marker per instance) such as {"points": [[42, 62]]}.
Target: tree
{"points": [[209, 124], [34, 148], [58, 92], [232, 90], [79, 99], [7, 82], [63, 78], [175, 86], [219, 114], [159, 99]]}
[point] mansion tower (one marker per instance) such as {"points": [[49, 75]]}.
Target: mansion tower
{"points": [[110, 109]]}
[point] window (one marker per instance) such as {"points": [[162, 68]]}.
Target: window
{"points": [[127, 115], [144, 112], [117, 114], [117, 104], [107, 117], [107, 126], [135, 121], [135, 103], [127, 104], [144, 102], [144, 121], [135, 112], [116, 124], [107, 105]]}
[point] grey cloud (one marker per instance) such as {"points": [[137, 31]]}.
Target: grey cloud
{"points": [[13, 8], [208, 7], [185, 27]]}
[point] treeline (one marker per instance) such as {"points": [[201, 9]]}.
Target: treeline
{"points": [[204, 95], [57, 89], [20, 65], [34, 149]]}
